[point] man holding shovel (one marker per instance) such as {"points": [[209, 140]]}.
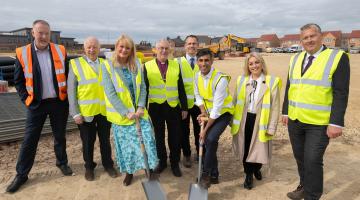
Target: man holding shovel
{"points": [[215, 102]]}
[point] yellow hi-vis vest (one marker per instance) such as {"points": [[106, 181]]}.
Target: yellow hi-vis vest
{"points": [[310, 96], [207, 93], [160, 90], [90, 91], [124, 95], [188, 74], [271, 83]]}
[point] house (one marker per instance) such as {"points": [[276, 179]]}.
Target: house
{"points": [[10, 40], [203, 40], [252, 41], [345, 39], [354, 38], [289, 40], [332, 38], [268, 40]]}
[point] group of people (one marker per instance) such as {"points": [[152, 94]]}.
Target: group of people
{"points": [[119, 93]]}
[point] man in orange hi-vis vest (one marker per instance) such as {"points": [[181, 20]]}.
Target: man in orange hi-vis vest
{"points": [[40, 80]]}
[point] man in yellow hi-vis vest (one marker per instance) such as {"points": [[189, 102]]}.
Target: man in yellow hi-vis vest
{"points": [[87, 107], [167, 103], [188, 69], [314, 106], [212, 94]]}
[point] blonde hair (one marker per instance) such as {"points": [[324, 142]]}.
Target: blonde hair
{"points": [[259, 58], [130, 62]]}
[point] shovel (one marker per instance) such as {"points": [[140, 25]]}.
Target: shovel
{"points": [[152, 187], [196, 191]]}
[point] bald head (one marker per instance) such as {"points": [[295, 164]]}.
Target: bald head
{"points": [[92, 47]]}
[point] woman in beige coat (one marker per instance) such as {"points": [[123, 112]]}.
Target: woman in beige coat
{"points": [[257, 103]]}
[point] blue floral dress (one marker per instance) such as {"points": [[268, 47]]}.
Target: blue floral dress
{"points": [[127, 145]]}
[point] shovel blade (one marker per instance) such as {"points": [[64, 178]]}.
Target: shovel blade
{"points": [[197, 192], [153, 190]]}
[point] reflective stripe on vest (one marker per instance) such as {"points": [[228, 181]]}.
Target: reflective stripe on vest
{"points": [[187, 74], [272, 83], [123, 94], [208, 93], [24, 56], [90, 91], [160, 90], [304, 105]]}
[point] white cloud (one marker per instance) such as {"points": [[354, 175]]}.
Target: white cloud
{"points": [[154, 19]]}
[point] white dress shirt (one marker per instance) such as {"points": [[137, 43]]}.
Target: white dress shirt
{"points": [[315, 56], [47, 81], [255, 93], [219, 94], [188, 57]]}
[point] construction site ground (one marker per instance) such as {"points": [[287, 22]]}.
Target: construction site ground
{"points": [[341, 161]]}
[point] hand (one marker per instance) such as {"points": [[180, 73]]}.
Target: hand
{"points": [[79, 119], [202, 135], [269, 134], [202, 115], [140, 112], [285, 120], [131, 115], [184, 114], [333, 131]]}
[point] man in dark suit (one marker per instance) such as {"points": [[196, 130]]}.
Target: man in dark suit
{"points": [[314, 106], [40, 79]]}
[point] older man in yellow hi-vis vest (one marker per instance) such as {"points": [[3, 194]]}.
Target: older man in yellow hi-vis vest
{"points": [[314, 106], [167, 103], [87, 107], [212, 94]]}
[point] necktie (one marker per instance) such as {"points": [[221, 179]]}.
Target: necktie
{"points": [[192, 63], [310, 59]]}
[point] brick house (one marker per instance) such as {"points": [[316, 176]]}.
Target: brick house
{"points": [[290, 39], [268, 40], [354, 38]]}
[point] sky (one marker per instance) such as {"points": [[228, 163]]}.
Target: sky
{"points": [[151, 20]]}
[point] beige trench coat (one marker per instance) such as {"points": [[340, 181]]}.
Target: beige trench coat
{"points": [[259, 152]]}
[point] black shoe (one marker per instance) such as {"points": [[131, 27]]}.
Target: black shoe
{"points": [[258, 175], [297, 194], [187, 161], [176, 171], [248, 183], [127, 180], [205, 181], [112, 172], [160, 168], [66, 170], [214, 180], [89, 174], [16, 184]]}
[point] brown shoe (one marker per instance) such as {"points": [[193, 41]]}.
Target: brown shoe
{"points": [[297, 194], [127, 179], [187, 161], [89, 175], [205, 181], [112, 172]]}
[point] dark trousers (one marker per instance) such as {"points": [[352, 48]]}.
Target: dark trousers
{"points": [[211, 144], [309, 143], [194, 112], [58, 112], [88, 137], [161, 114], [249, 168]]}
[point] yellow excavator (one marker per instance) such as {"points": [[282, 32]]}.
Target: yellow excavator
{"points": [[241, 45], [225, 45]]}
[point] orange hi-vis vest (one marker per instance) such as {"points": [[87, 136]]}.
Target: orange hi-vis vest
{"points": [[58, 55]]}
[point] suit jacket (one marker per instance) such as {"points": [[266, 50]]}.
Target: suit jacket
{"points": [[340, 85], [259, 152], [19, 78]]}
